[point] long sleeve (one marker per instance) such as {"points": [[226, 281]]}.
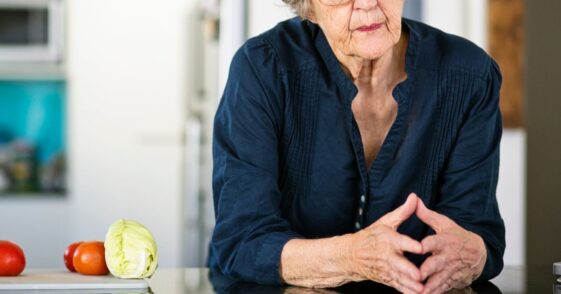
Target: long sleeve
{"points": [[250, 231], [469, 180]]}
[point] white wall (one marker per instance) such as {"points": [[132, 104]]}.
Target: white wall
{"points": [[511, 194], [232, 36], [466, 18], [39, 226], [264, 15]]}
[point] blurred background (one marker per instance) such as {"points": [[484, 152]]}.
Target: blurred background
{"points": [[106, 112]]}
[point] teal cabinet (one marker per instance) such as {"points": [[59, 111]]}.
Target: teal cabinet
{"points": [[32, 137]]}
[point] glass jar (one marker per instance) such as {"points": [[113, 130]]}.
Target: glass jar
{"points": [[23, 167]]}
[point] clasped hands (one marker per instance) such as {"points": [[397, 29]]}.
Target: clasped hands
{"points": [[376, 252]]}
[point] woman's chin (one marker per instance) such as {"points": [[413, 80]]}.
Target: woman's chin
{"points": [[371, 53], [372, 49]]}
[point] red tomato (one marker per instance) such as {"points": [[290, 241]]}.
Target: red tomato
{"points": [[69, 254], [89, 258], [12, 259]]}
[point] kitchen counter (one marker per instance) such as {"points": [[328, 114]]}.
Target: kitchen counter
{"points": [[205, 281], [202, 281]]}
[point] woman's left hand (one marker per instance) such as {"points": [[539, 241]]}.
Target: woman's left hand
{"points": [[458, 256]]}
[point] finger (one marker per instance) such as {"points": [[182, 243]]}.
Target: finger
{"points": [[402, 289], [408, 244], [437, 282], [461, 278], [431, 265], [407, 268], [402, 213], [411, 285], [446, 286], [433, 244], [435, 220]]}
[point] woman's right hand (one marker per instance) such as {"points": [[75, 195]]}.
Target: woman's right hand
{"points": [[376, 252]]}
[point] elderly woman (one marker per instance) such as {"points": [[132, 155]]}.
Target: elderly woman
{"points": [[351, 145]]}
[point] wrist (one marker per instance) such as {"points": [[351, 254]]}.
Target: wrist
{"points": [[482, 249], [346, 257]]}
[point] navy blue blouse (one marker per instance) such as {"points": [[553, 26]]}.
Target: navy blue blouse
{"points": [[288, 157]]}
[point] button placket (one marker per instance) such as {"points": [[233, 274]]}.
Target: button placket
{"points": [[360, 212]]}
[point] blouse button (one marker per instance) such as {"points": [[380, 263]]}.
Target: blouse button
{"points": [[362, 198], [360, 211], [357, 225]]}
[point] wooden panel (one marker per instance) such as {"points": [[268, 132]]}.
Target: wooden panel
{"points": [[506, 45]]}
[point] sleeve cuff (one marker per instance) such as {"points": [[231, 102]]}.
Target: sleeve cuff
{"points": [[268, 257]]}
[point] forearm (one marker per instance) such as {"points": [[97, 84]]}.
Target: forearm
{"points": [[319, 263]]}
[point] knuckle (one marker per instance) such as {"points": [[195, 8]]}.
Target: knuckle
{"points": [[448, 284], [386, 279], [446, 259]]}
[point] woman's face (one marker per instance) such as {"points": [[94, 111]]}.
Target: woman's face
{"points": [[359, 28]]}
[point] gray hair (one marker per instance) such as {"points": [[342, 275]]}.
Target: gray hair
{"points": [[302, 8]]}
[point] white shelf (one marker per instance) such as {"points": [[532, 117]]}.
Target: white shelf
{"points": [[32, 196], [32, 71]]}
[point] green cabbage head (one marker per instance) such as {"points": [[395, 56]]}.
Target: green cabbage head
{"points": [[130, 250]]}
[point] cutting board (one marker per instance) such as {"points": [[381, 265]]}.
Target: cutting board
{"points": [[64, 280]]}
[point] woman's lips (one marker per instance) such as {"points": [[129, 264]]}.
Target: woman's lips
{"points": [[370, 28]]}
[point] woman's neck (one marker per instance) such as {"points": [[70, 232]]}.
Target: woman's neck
{"points": [[381, 73]]}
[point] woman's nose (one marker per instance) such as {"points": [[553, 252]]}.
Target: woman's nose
{"points": [[366, 4]]}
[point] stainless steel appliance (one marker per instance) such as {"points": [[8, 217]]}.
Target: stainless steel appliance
{"points": [[31, 31]]}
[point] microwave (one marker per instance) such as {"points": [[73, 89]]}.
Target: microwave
{"points": [[31, 31]]}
